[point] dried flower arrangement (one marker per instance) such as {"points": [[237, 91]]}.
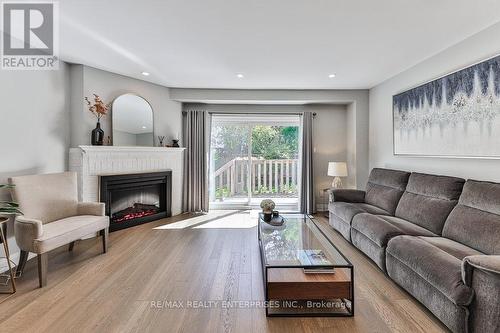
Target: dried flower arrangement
{"points": [[98, 109]]}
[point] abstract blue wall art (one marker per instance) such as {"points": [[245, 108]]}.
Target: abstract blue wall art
{"points": [[457, 115]]}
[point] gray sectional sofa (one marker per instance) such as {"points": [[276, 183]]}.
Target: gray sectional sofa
{"points": [[438, 237]]}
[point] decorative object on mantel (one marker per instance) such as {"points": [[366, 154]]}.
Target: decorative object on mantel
{"points": [[7, 208], [98, 109], [175, 143], [267, 206], [160, 140], [337, 170], [132, 121], [457, 115]]}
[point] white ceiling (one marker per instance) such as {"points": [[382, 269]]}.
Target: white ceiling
{"points": [[288, 44]]}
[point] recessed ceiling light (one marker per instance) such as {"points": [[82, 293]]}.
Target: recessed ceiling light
{"points": [[145, 73], [331, 76], [239, 75], [143, 127]]}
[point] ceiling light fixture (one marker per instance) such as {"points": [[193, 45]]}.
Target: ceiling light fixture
{"points": [[143, 127], [145, 73], [239, 75], [331, 76]]}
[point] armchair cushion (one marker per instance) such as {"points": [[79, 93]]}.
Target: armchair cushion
{"points": [[47, 197], [91, 208], [64, 231]]}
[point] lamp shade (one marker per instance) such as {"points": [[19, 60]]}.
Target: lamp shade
{"points": [[337, 169]]}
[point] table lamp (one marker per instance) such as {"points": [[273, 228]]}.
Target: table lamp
{"points": [[337, 170]]}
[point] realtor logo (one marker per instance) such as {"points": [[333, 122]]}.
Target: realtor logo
{"points": [[29, 37]]}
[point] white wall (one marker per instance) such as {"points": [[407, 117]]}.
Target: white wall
{"points": [[35, 118], [480, 46], [167, 113]]}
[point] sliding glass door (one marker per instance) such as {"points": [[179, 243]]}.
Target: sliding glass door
{"points": [[253, 157]]}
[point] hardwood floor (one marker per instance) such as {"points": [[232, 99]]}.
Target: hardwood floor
{"points": [[198, 258]]}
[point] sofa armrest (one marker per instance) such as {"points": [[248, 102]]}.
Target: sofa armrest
{"points": [[346, 195], [91, 208], [26, 230], [482, 274]]}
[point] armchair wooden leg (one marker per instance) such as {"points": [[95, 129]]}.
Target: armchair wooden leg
{"points": [[104, 233], [23, 258], [43, 262], [71, 246]]}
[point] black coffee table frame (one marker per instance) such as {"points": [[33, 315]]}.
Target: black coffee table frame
{"points": [[266, 267]]}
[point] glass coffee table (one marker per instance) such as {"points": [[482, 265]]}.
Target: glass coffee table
{"points": [[304, 273]]}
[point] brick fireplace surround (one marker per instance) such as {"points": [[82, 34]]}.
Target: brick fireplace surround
{"points": [[90, 162]]}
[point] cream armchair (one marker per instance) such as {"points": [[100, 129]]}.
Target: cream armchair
{"points": [[53, 217]]}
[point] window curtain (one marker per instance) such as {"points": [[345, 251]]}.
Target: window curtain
{"points": [[307, 204], [195, 138]]}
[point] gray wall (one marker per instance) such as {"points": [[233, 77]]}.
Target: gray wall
{"points": [[330, 134], [167, 113], [480, 46], [35, 118], [357, 115]]}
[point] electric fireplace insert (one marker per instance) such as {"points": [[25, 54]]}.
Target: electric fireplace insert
{"points": [[133, 199]]}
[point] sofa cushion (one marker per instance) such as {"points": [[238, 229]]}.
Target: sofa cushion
{"points": [[429, 199], [449, 246], [475, 221], [346, 210], [402, 271], [64, 231], [380, 229], [385, 187], [440, 269]]}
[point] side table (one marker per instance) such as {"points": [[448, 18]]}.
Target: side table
{"points": [[3, 239], [326, 201]]}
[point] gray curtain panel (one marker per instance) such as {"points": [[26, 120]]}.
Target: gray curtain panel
{"points": [[195, 139], [307, 204]]}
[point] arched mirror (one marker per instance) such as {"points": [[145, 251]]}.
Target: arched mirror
{"points": [[132, 121]]}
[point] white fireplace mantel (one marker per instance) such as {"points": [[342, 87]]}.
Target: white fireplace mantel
{"points": [[128, 149], [90, 162]]}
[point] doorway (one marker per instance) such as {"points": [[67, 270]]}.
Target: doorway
{"points": [[254, 157]]}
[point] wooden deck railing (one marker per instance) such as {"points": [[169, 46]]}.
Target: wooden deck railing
{"points": [[266, 176]]}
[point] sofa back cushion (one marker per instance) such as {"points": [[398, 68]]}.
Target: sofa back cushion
{"points": [[47, 197], [429, 199], [385, 187], [475, 221]]}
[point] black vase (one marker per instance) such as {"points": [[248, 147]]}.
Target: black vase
{"points": [[97, 136], [268, 217]]}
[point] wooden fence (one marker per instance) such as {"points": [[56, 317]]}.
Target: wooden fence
{"points": [[266, 176]]}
